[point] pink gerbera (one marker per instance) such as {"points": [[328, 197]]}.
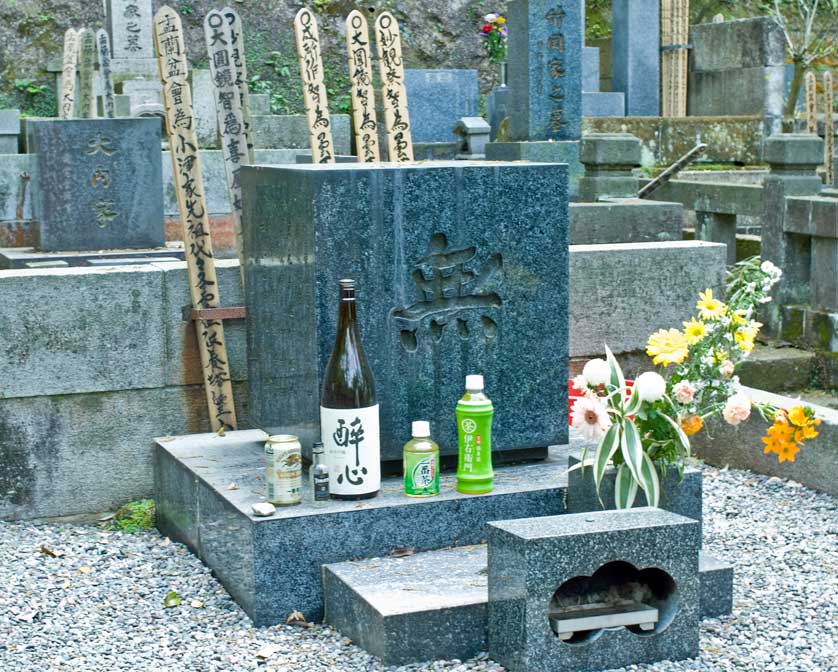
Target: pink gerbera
{"points": [[590, 418]]}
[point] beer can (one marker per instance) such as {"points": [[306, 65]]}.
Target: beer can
{"points": [[284, 470]]}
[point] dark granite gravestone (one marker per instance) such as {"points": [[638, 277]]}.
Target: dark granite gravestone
{"points": [[462, 267], [101, 183], [636, 55], [545, 69], [437, 99]]}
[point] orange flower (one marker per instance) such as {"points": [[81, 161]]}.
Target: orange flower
{"points": [[787, 452], [692, 425]]}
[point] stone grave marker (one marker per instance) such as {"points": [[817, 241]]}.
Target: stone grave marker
{"points": [[66, 106], [9, 133], [240, 62], [475, 284], [364, 118], [203, 106], [105, 73], [189, 186], [87, 69], [636, 55], [229, 112], [438, 99], [129, 25], [314, 89], [100, 183], [393, 92]]}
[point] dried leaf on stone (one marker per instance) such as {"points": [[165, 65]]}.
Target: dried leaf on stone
{"points": [[221, 431], [171, 600], [401, 552], [232, 486], [49, 552], [84, 569], [297, 618], [107, 517], [27, 616], [267, 651], [197, 604]]}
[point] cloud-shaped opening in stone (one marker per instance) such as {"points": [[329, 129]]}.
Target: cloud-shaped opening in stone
{"points": [[644, 601]]}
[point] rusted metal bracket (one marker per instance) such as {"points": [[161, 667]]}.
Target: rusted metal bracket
{"points": [[191, 314]]}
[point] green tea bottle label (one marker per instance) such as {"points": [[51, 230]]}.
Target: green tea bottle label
{"points": [[474, 430], [421, 463]]}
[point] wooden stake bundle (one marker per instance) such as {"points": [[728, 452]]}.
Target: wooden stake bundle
{"points": [[189, 187], [105, 73], [675, 33], [394, 94], [314, 90], [364, 118], [240, 63], [829, 127], [683, 56], [811, 103], [68, 74], [87, 66], [229, 112], [666, 57]]}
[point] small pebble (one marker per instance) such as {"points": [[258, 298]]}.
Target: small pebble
{"points": [[263, 509]]}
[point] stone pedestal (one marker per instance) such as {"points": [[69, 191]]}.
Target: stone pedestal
{"points": [[100, 183], [9, 131], [531, 563], [547, 151], [273, 566], [609, 160], [461, 268]]}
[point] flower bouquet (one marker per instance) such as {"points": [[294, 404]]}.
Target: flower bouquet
{"points": [[643, 429], [494, 32]]}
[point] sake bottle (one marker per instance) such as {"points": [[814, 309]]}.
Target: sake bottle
{"points": [[349, 411], [474, 432]]}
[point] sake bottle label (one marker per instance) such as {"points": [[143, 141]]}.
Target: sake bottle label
{"points": [[353, 449]]}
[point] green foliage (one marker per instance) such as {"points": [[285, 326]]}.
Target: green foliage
{"points": [[134, 517], [30, 87]]}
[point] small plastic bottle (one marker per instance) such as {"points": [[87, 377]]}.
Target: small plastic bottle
{"points": [[421, 462], [319, 476]]}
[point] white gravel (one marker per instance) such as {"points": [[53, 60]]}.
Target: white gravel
{"points": [[99, 606]]}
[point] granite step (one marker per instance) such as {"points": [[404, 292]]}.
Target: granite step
{"points": [[433, 605], [776, 369]]}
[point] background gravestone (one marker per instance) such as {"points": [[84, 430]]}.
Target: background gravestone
{"points": [[437, 100], [100, 184], [129, 27], [636, 55], [462, 268]]}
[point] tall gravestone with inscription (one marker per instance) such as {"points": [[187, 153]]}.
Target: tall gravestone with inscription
{"points": [[462, 267], [129, 27], [101, 183], [545, 81]]}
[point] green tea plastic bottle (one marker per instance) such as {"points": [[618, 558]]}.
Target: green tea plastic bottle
{"points": [[421, 462], [474, 431]]}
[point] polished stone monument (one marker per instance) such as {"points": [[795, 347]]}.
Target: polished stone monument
{"points": [[636, 55], [545, 83], [438, 99], [462, 268], [101, 183]]}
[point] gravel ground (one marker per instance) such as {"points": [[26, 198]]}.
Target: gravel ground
{"points": [[99, 604]]}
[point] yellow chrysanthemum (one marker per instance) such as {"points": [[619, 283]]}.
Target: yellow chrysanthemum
{"points": [[708, 307], [745, 341], [739, 317], [667, 347], [695, 331], [500, 20]]}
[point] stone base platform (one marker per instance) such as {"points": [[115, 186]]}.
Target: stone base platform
{"points": [[29, 257], [403, 610], [205, 485], [547, 151]]}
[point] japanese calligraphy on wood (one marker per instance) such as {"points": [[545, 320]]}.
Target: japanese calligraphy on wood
{"points": [[364, 120], [105, 73], [811, 103], [314, 90], [68, 74], [87, 67], [829, 126], [237, 36], [189, 186], [228, 108], [394, 93]]}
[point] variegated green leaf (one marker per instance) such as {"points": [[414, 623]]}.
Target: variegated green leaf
{"points": [[632, 448], [634, 402], [604, 452], [625, 488], [650, 482], [683, 438], [618, 380]]}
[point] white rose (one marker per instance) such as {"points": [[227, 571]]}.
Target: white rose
{"points": [[650, 386], [597, 372]]}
